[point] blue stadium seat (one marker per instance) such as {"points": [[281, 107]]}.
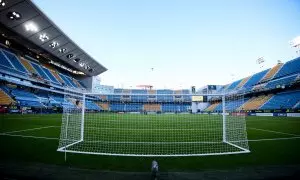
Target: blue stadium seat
{"points": [[139, 91], [65, 79], [285, 100], [164, 91], [284, 81], [231, 105], [31, 103], [290, 67], [15, 61], [40, 70], [92, 106], [255, 78], [71, 81], [174, 107], [49, 74], [139, 98], [4, 61], [233, 85], [114, 98], [118, 91], [185, 91]]}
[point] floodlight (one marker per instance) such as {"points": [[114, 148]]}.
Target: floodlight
{"points": [[81, 64], [62, 50], [76, 60], [69, 56], [53, 44], [13, 15], [43, 37], [2, 3], [31, 27]]}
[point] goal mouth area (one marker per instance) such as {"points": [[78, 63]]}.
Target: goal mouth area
{"points": [[154, 149]]}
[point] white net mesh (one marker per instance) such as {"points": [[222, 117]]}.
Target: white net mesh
{"points": [[153, 125]]}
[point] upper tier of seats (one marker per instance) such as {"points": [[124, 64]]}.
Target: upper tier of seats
{"points": [[290, 67], [271, 72], [255, 78], [26, 67], [281, 74]]}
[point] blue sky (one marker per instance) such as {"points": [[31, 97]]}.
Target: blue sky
{"points": [[185, 42]]}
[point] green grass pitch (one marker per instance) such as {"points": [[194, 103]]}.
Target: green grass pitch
{"points": [[272, 141]]}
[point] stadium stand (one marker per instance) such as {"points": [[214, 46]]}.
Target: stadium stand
{"points": [[256, 102], [212, 107], [270, 74], [284, 100], [233, 85], [39, 70], [151, 91], [289, 68], [103, 106], [297, 105], [255, 79], [55, 74], [126, 91], [281, 82], [178, 92], [242, 83], [92, 106], [27, 65], [168, 107], [152, 107], [14, 61], [5, 99]]}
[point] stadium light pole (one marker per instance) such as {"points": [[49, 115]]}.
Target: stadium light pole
{"points": [[295, 43]]}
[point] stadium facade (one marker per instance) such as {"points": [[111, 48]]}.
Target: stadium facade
{"points": [[39, 64]]}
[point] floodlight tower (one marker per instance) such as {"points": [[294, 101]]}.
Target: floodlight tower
{"points": [[260, 61], [295, 43]]}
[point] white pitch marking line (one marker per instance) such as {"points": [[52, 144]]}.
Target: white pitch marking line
{"points": [[32, 129], [250, 140], [141, 129], [274, 139], [34, 137], [277, 132]]}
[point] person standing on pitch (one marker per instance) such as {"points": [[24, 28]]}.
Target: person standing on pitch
{"points": [[154, 170]]}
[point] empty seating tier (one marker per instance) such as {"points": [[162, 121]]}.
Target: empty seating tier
{"points": [[270, 74], [256, 102], [104, 106], [5, 99], [290, 67], [152, 107], [212, 107], [255, 78], [241, 84], [233, 85], [15, 61], [27, 65], [286, 100]]}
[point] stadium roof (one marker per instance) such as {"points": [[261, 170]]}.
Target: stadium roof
{"points": [[29, 22]]}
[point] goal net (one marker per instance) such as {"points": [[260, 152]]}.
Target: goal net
{"points": [[153, 124]]}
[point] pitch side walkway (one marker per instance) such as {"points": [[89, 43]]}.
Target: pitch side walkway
{"points": [[17, 170]]}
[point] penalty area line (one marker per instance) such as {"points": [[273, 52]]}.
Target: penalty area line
{"points": [[52, 138], [33, 137], [32, 129], [277, 132]]}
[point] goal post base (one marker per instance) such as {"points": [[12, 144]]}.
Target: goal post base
{"points": [[66, 150], [63, 149]]}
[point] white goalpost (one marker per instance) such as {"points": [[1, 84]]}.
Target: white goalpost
{"points": [[153, 124]]}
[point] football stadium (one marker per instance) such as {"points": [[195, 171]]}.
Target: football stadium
{"points": [[60, 121]]}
